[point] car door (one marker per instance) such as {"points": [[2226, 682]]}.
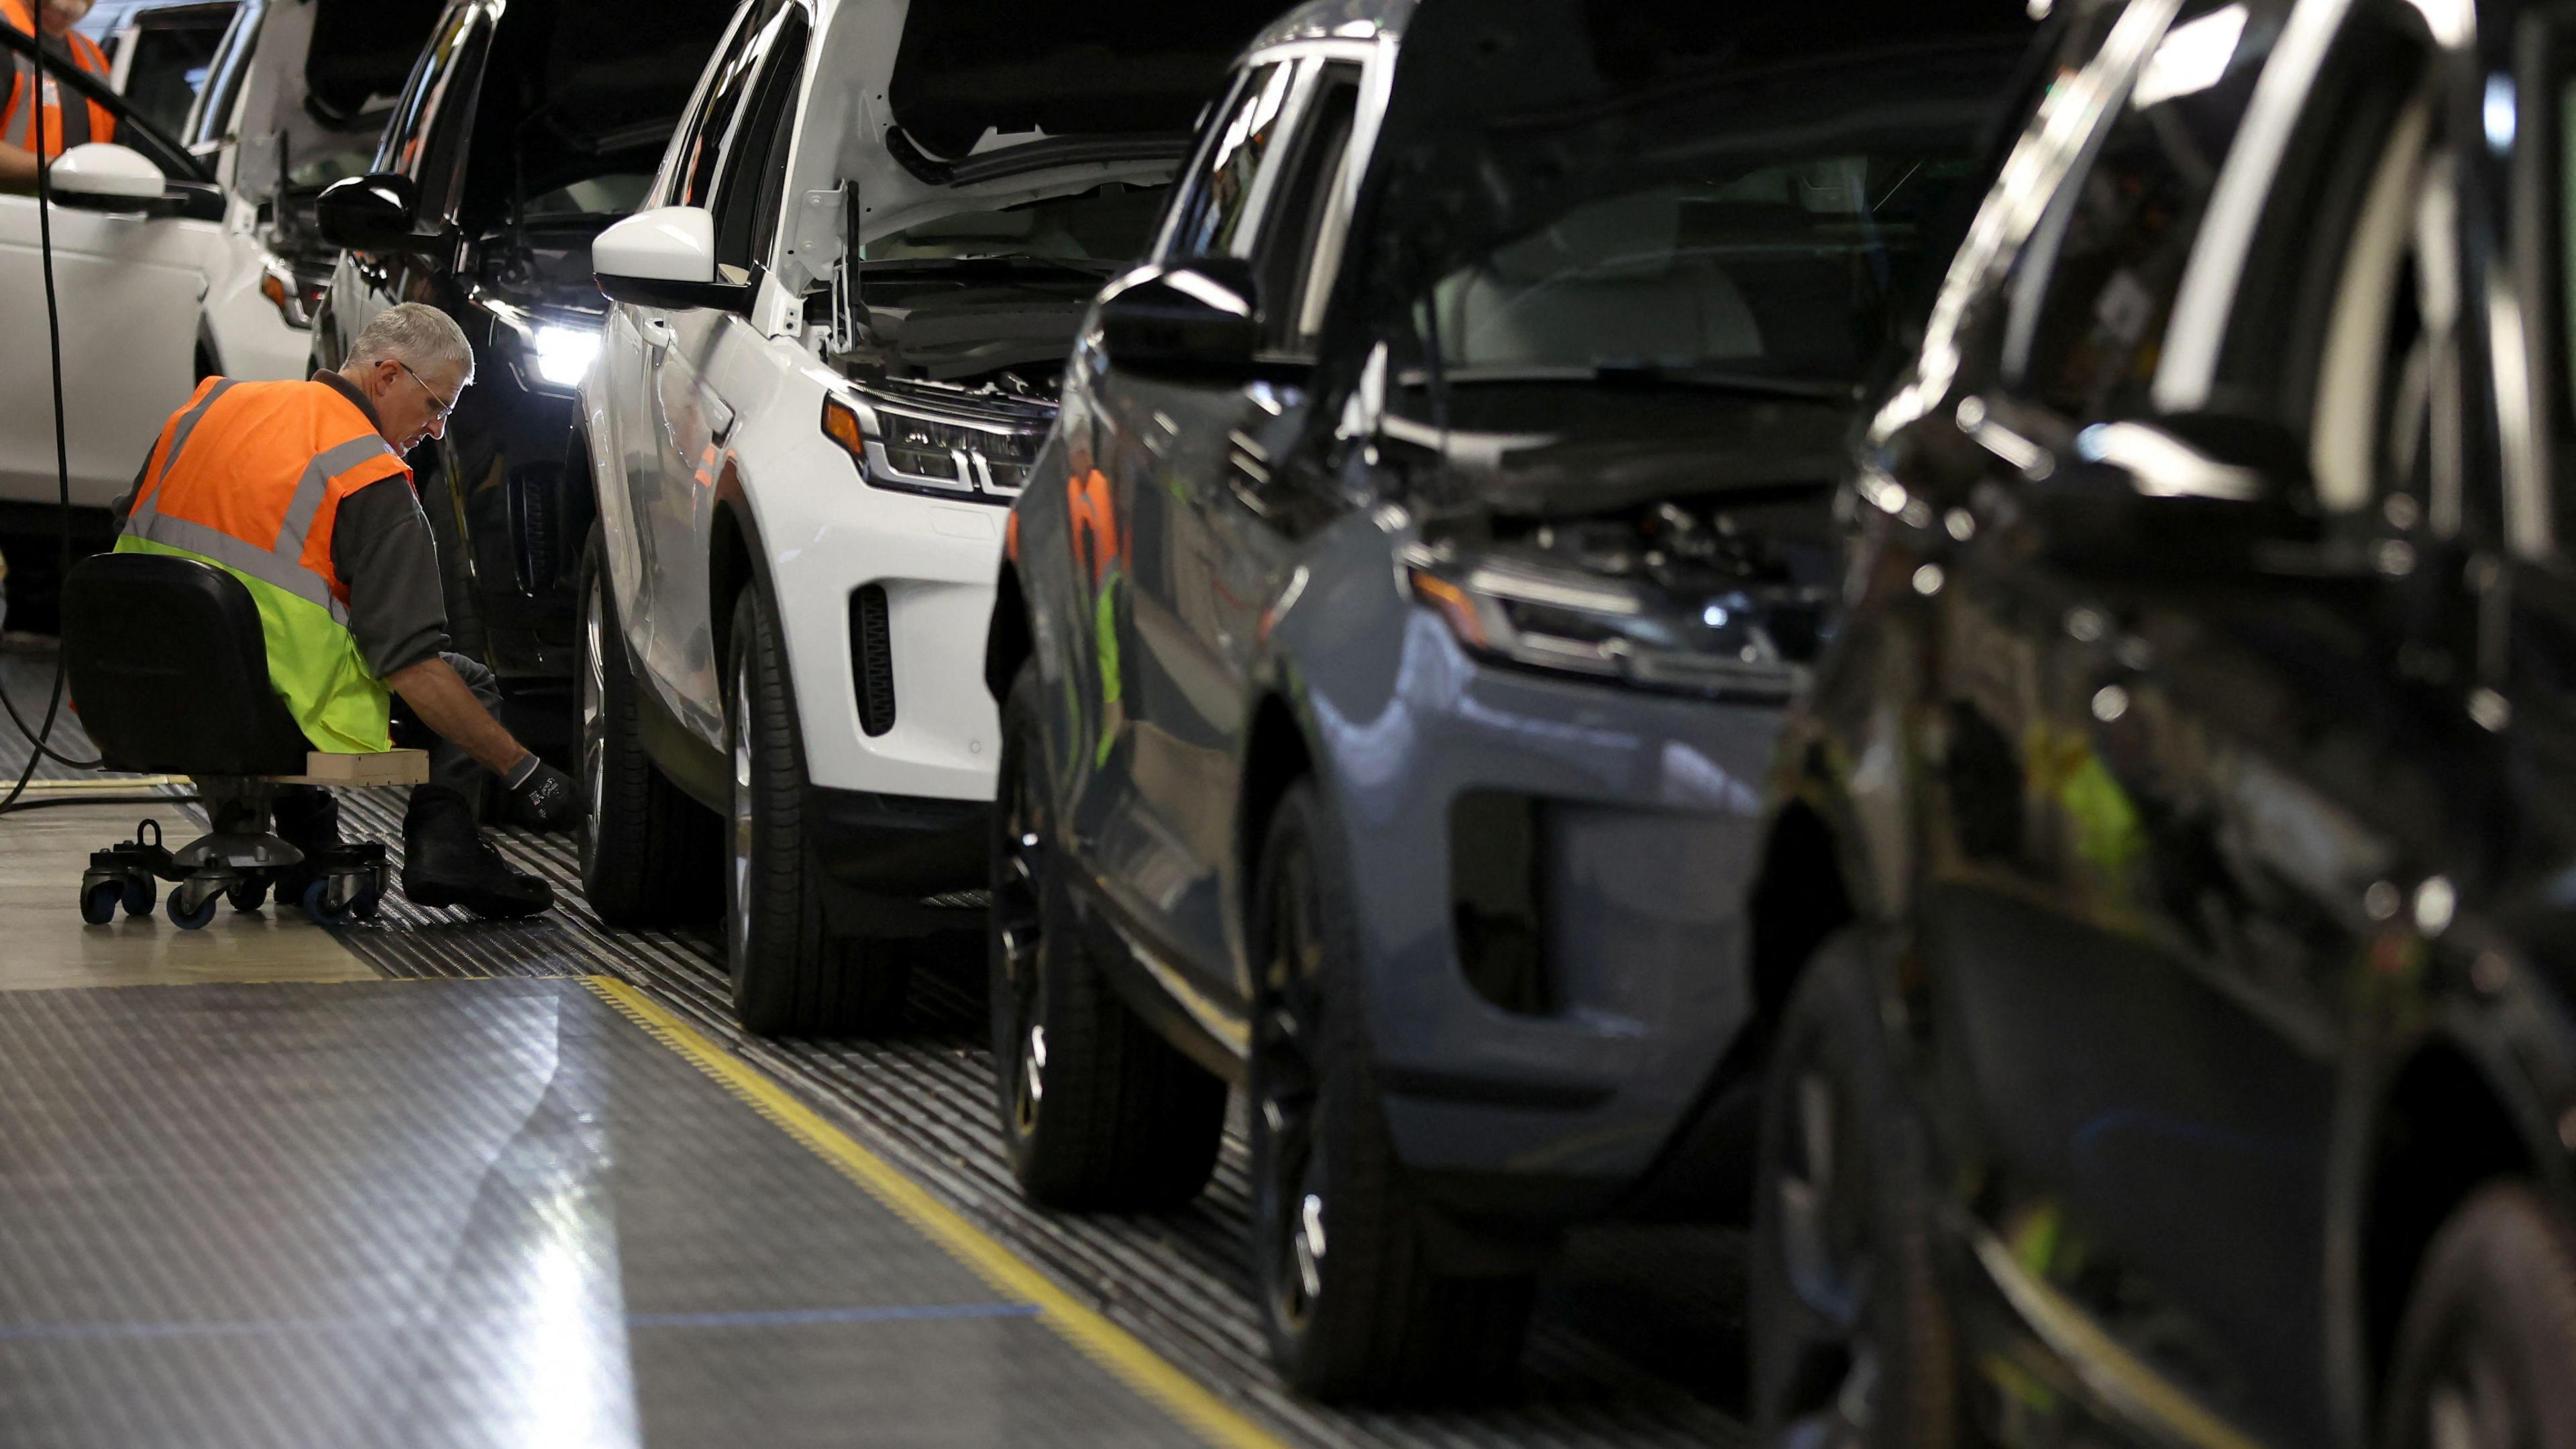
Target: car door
{"points": [[127, 287], [634, 339], [2171, 822], [1156, 804], [723, 162]]}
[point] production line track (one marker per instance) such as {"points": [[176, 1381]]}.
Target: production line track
{"points": [[923, 1100], [1638, 1340]]}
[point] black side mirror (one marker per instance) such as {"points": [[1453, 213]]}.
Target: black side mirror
{"points": [[2196, 491], [1201, 318], [378, 212]]}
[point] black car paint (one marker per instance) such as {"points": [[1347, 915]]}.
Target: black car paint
{"points": [[507, 489], [2221, 904]]}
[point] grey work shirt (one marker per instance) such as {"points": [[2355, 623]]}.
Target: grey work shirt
{"points": [[382, 549]]}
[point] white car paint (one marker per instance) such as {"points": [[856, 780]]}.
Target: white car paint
{"points": [[127, 288], [684, 403]]}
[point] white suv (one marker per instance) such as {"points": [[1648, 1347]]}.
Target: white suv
{"points": [[838, 327]]}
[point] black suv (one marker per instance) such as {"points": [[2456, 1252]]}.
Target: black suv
{"points": [[524, 130], [2193, 786]]}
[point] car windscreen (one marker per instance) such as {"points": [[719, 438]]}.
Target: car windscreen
{"points": [[1792, 270], [1768, 228], [1113, 222], [969, 70], [578, 101]]}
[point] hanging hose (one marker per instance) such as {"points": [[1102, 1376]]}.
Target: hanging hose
{"points": [[42, 737]]}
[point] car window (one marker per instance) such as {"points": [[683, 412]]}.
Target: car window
{"points": [[704, 133], [408, 134], [1212, 215], [755, 173], [1312, 185], [2092, 292], [210, 114]]}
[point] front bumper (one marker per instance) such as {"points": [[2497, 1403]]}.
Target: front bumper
{"points": [[1644, 824]]}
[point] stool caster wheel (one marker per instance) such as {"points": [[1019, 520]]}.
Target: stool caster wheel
{"points": [[99, 902], [188, 915], [318, 908], [138, 895], [250, 895]]}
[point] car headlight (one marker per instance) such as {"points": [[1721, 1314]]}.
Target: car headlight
{"points": [[1530, 611], [565, 354], [914, 450], [296, 297]]}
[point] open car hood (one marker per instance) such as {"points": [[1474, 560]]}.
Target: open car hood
{"points": [[952, 104], [322, 78]]}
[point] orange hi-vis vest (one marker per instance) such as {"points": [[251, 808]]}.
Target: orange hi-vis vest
{"points": [[63, 127], [249, 477]]}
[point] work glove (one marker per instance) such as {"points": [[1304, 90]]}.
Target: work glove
{"points": [[544, 796]]}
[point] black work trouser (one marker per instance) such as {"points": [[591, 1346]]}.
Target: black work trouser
{"points": [[307, 815]]}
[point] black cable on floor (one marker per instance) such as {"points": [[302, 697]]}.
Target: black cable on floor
{"points": [[14, 806], [41, 743]]}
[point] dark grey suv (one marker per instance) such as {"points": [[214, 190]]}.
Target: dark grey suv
{"points": [[1398, 625]]}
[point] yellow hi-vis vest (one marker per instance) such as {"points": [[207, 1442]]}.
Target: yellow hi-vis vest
{"points": [[249, 477]]}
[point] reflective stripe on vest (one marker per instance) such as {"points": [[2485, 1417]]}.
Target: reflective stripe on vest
{"points": [[249, 476], [64, 126]]}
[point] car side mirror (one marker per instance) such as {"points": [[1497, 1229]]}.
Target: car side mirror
{"points": [[103, 176], [1201, 317], [378, 212], [665, 257], [2199, 491]]}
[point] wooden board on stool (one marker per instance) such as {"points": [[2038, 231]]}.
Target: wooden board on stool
{"points": [[392, 767]]}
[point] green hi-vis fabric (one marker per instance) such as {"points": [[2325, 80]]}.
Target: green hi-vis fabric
{"points": [[313, 663]]}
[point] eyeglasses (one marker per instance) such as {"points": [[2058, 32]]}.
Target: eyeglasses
{"points": [[439, 407]]}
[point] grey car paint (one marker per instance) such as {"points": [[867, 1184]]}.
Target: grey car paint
{"points": [[1306, 644]]}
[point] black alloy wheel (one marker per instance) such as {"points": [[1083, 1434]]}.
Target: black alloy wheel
{"points": [[1850, 1344], [648, 853], [2486, 1354], [791, 975], [1097, 1112], [1352, 1301]]}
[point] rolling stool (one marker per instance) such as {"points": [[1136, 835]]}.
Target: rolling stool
{"points": [[169, 670]]}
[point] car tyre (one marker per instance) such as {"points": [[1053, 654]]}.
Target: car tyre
{"points": [[1352, 1303], [650, 855], [1851, 1344], [2489, 1334], [1097, 1111], [791, 976]]}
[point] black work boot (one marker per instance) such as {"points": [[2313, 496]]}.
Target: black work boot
{"points": [[447, 862], [308, 818]]}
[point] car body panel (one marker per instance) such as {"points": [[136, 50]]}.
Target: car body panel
{"points": [[2221, 913]]}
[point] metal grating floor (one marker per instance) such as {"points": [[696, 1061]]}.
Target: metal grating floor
{"points": [[467, 1213], [1640, 1336]]}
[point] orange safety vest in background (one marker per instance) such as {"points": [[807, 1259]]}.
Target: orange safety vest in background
{"points": [[63, 127], [249, 477]]}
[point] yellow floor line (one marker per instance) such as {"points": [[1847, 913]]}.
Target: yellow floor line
{"points": [[1112, 1347]]}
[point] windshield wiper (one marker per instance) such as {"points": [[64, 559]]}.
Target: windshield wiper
{"points": [[1742, 384], [1067, 266]]}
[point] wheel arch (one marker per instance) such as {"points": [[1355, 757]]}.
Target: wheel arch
{"points": [[1798, 900], [734, 555], [1276, 755], [2440, 1129], [1008, 640]]}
